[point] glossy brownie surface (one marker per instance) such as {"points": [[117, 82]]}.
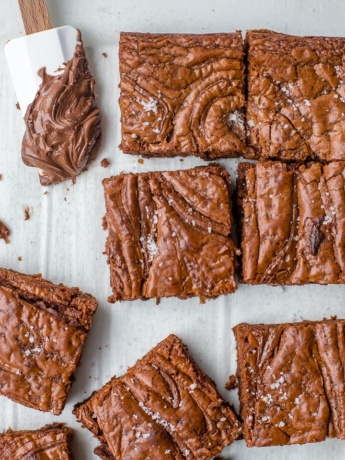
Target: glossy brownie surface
{"points": [[296, 96], [291, 382], [292, 223], [182, 94], [51, 442], [164, 407], [43, 328], [168, 234]]}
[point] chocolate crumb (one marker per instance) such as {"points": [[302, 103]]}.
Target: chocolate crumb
{"points": [[181, 159], [231, 384], [141, 161], [105, 163], [65, 198], [27, 213], [333, 317], [104, 55], [0, 176], [18, 106], [20, 258], [4, 232], [45, 193]]}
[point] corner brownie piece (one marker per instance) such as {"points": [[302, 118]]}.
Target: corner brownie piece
{"points": [[291, 382], [182, 94], [296, 96], [164, 407], [51, 442], [169, 234], [43, 328], [292, 222]]}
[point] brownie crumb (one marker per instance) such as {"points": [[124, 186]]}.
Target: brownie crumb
{"points": [[104, 55], [45, 193], [18, 106], [231, 384], [27, 213], [105, 163], [181, 159], [4, 232], [20, 258], [334, 317], [0, 176], [141, 161]]}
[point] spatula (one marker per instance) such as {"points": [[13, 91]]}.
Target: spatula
{"points": [[43, 46]]}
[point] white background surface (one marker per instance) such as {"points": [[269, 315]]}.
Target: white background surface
{"points": [[64, 239]]}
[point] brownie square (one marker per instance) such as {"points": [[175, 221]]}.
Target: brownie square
{"points": [[164, 407], [182, 94], [43, 328], [296, 96], [291, 382], [292, 221], [169, 234], [51, 442]]}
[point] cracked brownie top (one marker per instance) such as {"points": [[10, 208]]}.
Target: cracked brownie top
{"points": [[296, 96], [292, 222], [164, 407], [182, 94], [51, 442], [169, 234], [291, 382], [43, 328]]}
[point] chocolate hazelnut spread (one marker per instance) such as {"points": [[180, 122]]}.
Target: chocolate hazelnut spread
{"points": [[63, 123]]}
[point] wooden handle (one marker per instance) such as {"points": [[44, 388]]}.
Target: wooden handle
{"points": [[35, 15]]}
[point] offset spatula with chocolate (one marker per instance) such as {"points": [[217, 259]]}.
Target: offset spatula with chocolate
{"points": [[55, 90]]}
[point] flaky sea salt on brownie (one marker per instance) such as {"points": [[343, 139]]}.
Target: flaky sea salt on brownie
{"points": [[292, 221], [182, 94], [164, 407], [296, 96], [52, 442], [169, 234], [291, 382], [43, 328]]}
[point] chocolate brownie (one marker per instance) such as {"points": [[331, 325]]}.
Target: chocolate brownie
{"points": [[43, 328], [292, 222], [169, 234], [291, 382], [51, 442], [182, 94], [164, 407], [296, 96]]}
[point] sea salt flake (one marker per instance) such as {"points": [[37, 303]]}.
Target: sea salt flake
{"points": [[150, 106], [151, 247], [251, 123]]}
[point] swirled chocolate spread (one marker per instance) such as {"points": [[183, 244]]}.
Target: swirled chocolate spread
{"points": [[63, 123]]}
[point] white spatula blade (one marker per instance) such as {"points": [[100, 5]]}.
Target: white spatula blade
{"points": [[27, 55]]}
